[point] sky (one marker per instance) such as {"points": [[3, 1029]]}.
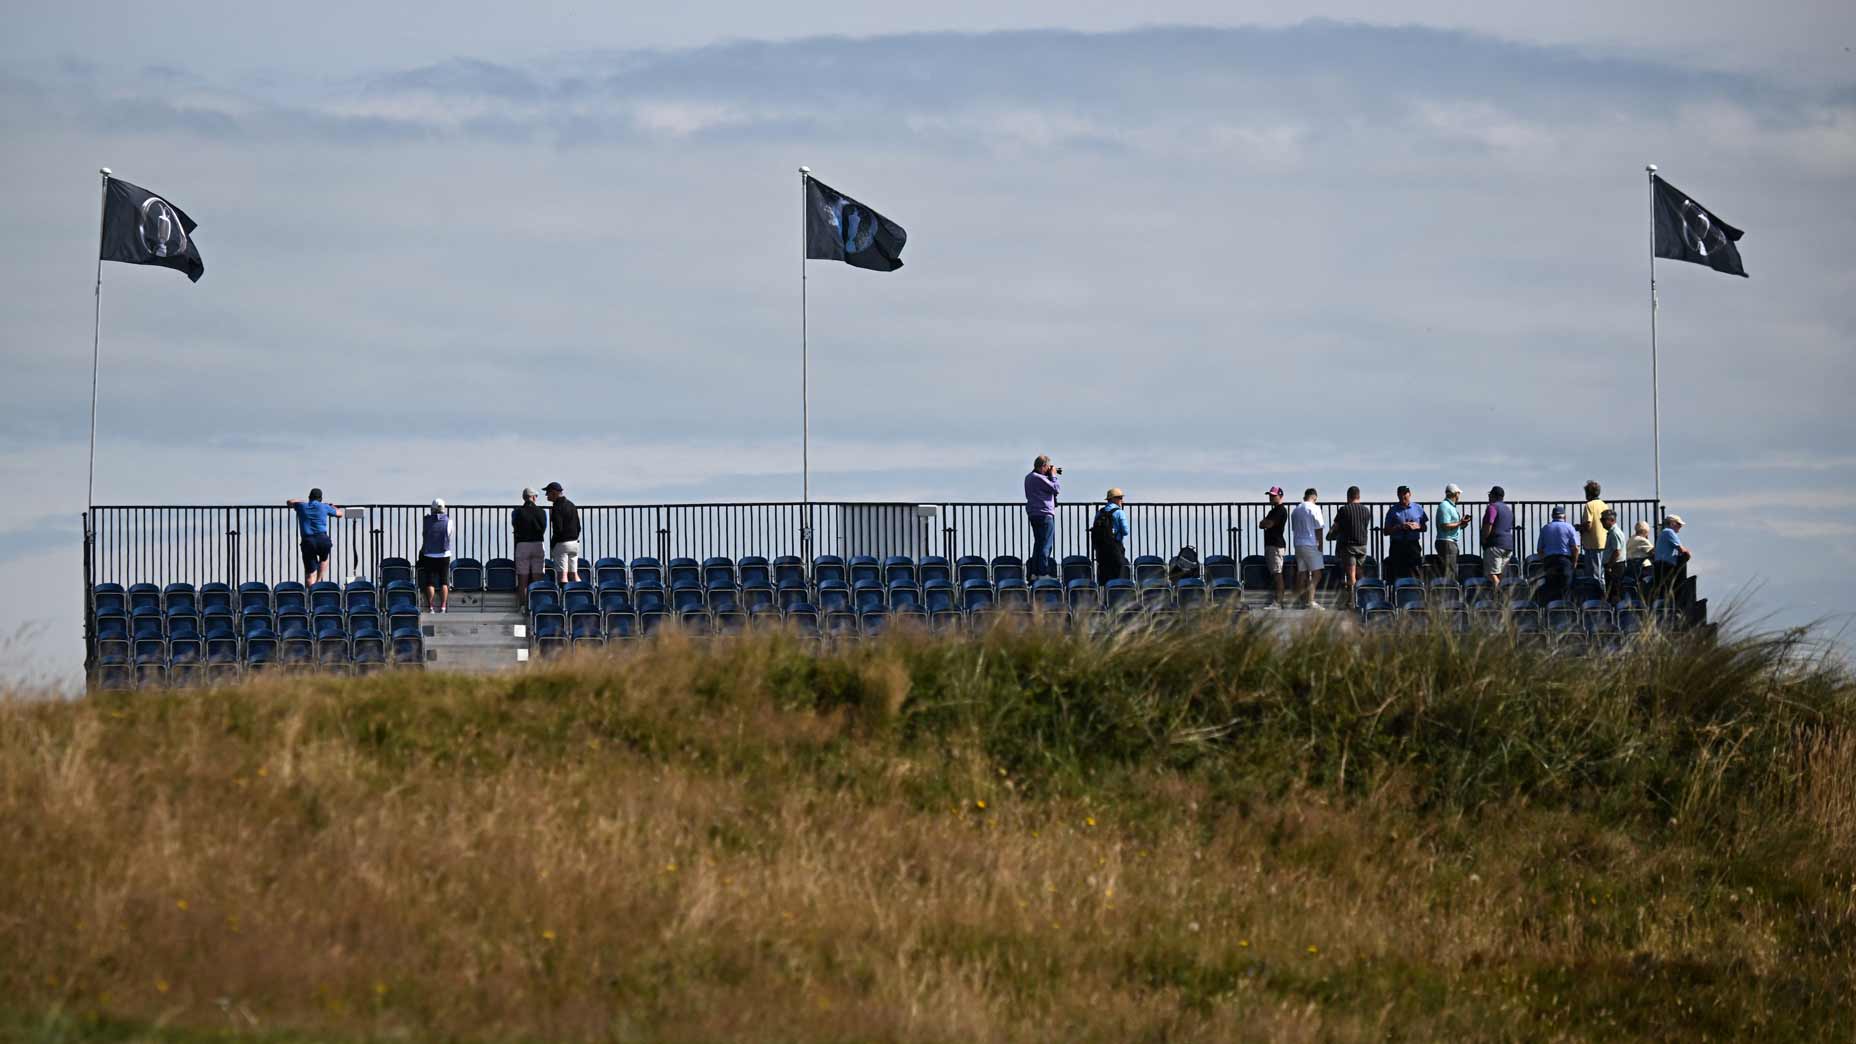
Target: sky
{"points": [[1192, 253]]}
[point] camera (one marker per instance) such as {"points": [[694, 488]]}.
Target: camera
{"points": [[1057, 470]]}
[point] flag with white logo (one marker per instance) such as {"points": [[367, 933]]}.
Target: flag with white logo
{"points": [[1688, 231], [838, 228], [141, 228]]}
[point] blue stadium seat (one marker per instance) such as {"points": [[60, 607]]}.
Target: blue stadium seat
{"points": [[1598, 617], [1149, 568], [1254, 571], [1444, 595], [360, 597], [789, 571], [543, 598], [260, 650], [1082, 594], [290, 597], [1076, 567], [647, 570], [730, 622], [1585, 589], [216, 599], [757, 595], [648, 596], [586, 629], [938, 596], [865, 567], [579, 597], [254, 597], [1468, 567], [367, 642], [144, 596], [1155, 594], [904, 595], [620, 626], [499, 575], [755, 571], [833, 596], [184, 625], [868, 593], [397, 622], [1408, 593], [548, 633], [1563, 617], [794, 595], [718, 571], [909, 618], [840, 623], [1012, 594], [1226, 592], [408, 646], [765, 618], [1526, 617], [873, 623], [1477, 592], [392, 569], [898, 569], [608, 572], [1220, 567], [971, 567], [724, 600], [1190, 594], [1369, 568], [934, 567], [147, 624], [220, 633], [325, 596], [684, 570], [331, 633], [467, 575], [179, 598], [110, 599], [976, 594], [1120, 593], [1007, 567], [802, 620], [686, 594], [1047, 595], [829, 567], [402, 597]]}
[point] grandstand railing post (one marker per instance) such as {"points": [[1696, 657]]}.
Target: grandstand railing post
{"points": [[949, 549], [232, 577], [374, 552], [663, 537], [90, 615]]}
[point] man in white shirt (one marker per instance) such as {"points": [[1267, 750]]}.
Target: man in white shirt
{"points": [[1306, 528]]}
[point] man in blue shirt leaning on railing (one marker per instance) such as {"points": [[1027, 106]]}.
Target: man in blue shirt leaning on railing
{"points": [[312, 520], [1559, 555]]}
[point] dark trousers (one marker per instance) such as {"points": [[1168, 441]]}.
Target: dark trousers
{"points": [[1557, 578], [1043, 543], [1403, 559], [1111, 562]]}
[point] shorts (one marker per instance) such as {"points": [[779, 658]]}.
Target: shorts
{"points": [[1309, 560], [316, 551], [434, 572], [1273, 556], [530, 558], [1354, 552], [566, 555], [1494, 560]]}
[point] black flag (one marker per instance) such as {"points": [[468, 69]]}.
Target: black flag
{"points": [[141, 228], [1688, 231], [838, 228]]}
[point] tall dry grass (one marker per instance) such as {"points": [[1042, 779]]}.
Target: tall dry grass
{"points": [[1192, 836]]}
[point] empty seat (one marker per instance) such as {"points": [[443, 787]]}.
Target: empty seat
{"points": [[971, 567], [586, 629], [789, 571], [1082, 594], [109, 599], [647, 570], [392, 569], [144, 596], [325, 596], [1119, 593], [934, 567], [548, 632], [543, 598], [904, 594], [1007, 567], [1468, 567], [757, 597], [1445, 595], [1148, 568], [290, 597], [1220, 567], [898, 569], [1563, 617], [830, 567], [1190, 594], [608, 572], [976, 595], [864, 567], [1254, 571], [179, 598], [867, 593], [360, 597], [938, 596], [755, 571], [1155, 594], [1047, 595], [1408, 593], [467, 575], [718, 571], [402, 597], [834, 596], [1012, 594], [620, 626], [499, 575], [1226, 592], [683, 570], [1076, 567]]}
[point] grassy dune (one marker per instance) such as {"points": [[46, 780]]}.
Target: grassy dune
{"points": [[1025, 838]]}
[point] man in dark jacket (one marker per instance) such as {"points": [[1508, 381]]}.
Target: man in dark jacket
{"points": [[1109, 534], [564, 521], [530, 523], [1353, 525]]}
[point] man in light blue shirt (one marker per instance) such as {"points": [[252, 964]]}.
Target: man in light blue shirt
{"points": [[1450, 523], [1109, 534], [312, 520], [1671, 555], [1306, 527], [1559, 552]]}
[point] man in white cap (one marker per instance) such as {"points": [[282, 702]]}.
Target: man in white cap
{"points": [[1671, 556], [435, 558], [530, 523], [1449, 537]]}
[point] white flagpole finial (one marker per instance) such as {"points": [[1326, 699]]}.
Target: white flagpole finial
{"points": [[105, 171], [1651, 167]]}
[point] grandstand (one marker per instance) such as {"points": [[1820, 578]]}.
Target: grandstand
{"points": [[184, 596]]}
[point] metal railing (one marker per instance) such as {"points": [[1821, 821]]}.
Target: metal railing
{"points": [[192, 544]]}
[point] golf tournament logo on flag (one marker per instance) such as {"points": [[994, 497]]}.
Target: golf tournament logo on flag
{"points": [[838, 228], [1688, 231], [142, 228]]}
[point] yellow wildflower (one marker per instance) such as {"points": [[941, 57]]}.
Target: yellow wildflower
{"points": [[1089, 821], [181, 905], [980, 803], [548, 934]]}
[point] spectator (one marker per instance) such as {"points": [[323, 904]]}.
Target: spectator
{"points": [[1404, 527], [531, 532], [564, 524], [1592, 535], [1109, 534], [1641, 547], [1450, 525], [1497, 536], [1559, 554], [1041, 488], [1353, 524], [435, 558], [1614, 553], [1671, 557], [1306, 526], [312, 521], [1273, 544]]}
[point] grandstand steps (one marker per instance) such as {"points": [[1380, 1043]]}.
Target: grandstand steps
{"points": [[474, 640]]}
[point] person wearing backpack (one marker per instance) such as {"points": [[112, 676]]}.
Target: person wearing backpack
{"points": [[1108, 535]]}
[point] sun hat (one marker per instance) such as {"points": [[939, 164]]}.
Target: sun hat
{"points": [[1114, 492]]}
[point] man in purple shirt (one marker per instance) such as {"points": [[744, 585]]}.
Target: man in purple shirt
{"points": [[1041, 488]]}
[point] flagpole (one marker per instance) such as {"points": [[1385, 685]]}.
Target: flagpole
{"points": [[96, 329], [805, 391], [1656, 417]]}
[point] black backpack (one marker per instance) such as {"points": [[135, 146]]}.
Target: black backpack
{"points": [[1102, 531], [1184, 565]]}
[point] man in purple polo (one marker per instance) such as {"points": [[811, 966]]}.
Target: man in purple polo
{"points": [[1041, 488]]}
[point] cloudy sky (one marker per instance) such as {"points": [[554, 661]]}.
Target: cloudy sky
{"points": [[1193, 255]]}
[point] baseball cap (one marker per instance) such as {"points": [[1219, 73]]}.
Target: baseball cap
{"points": [[1673, 520], [1402, 490], [438, 505], [1558, 511], [1273, 491], [528, 491], [1452, 488], [553, 487]]}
